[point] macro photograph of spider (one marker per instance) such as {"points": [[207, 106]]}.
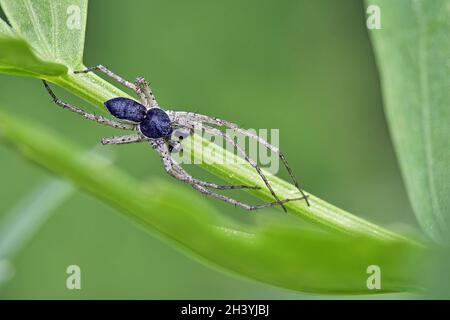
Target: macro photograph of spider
{"points": [[233, 150], [156, 126]]}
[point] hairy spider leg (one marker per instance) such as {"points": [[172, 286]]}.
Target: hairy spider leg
{"points": [[179, 173], [87, 115], [220, 122], [239, 203], [217, 132], [192, 180], [134, 138], [143, 85], [125, 139], [110, 74], [118, 79], [206, 184]]}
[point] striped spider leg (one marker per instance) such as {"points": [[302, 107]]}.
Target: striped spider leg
{"points": [[204, 119]]}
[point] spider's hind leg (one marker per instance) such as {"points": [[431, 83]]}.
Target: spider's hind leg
{"points": [[218, 132], [224, 123], [87, 115], [238, 203], [179, 173], [202, 186], [174, 169], [211, 185]]}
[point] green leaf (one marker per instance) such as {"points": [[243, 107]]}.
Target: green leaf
{"points": [[413, 50], [18, 58], [283, 255], [55, 29], [46, 39]]}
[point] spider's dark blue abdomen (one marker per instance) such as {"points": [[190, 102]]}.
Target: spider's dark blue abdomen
{"points": [[156, 124], [126, 109]]}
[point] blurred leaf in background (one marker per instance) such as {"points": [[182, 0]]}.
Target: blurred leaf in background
{"points": [[413, 50]]}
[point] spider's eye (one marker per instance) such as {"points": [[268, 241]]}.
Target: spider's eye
{"points": [[175, 147], [126, 109], [181, 133]]}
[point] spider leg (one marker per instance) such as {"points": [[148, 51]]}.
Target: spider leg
{"points": [[160, 146], [210, 184], [223, 187], [130, 138], [141, 86], [144, 87], [220, 122], [177, 172], [89, 116], [239, 203], [110, 74], [217, 132]]}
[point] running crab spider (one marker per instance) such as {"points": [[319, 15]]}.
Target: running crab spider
{"points": [[157, 126]]}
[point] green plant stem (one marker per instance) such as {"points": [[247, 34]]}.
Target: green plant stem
{"points": [[96, 90]]}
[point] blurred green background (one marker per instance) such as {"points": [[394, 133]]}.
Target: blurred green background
{"points": [[305, 67]]}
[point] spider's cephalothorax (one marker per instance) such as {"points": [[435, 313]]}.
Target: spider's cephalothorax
{"points": [[153, 123], [157, 126]]}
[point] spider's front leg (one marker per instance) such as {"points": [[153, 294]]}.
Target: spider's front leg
{"points": [[203, 187], [205, 184], [176, 171], [217, 132], [200, 118], [179, 173]]}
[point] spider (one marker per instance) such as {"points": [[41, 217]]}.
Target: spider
{"points": [[157, 126]]}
